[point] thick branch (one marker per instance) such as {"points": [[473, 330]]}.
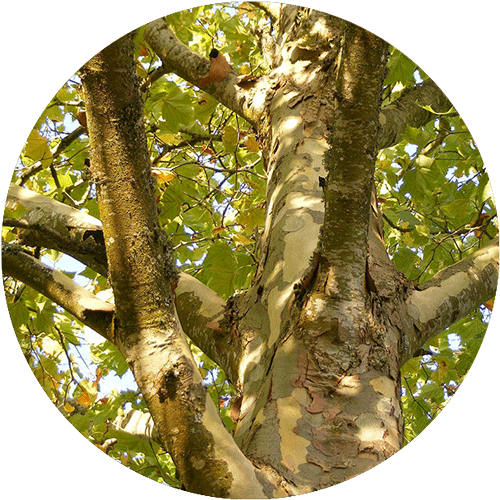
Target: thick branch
{"points": [[451, 294], [142, 272], [351, 162], [81, 303], [51, 224], [408, 111], [191, 67], [135, 423], [201, 312]]}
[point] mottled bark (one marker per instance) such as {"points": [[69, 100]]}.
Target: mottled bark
{"points": [[451, 294], [316, 344], [320, 375], [51, 224], [141, 270]]}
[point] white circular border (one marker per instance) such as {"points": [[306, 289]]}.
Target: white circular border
{"points": [[44, 43]]}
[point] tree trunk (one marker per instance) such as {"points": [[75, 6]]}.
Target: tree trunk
{"points": [[320, 375], [315, 345]]}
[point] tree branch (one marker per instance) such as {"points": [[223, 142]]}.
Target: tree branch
{"points": [[191, 67], [142, 273], [135, 423], [63, 144], [451, 294], [52, 224], [408, 111], [81, 303]]}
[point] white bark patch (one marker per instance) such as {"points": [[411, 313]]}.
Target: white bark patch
{"points": [[298, 245], [371, 427], [35, 201], [134, 422], [423, 305], [211, 303], [277, 300], [86, 299], [349, 386], [486, 257], [293, 446], [250, 362]]}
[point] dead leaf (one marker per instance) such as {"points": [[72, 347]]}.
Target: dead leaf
{"points": [[489, 304], [252, 145]]}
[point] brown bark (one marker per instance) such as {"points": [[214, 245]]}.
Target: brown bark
{"points": [[409, 110], [316, 344], [141, 270]]}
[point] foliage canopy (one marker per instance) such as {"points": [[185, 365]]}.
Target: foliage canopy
{"points": [[211, 184]]}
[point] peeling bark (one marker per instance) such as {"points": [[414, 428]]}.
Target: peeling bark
{"points": [[451, 294], [315, 346]]}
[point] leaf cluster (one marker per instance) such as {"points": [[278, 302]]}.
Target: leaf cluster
{"points": [[432, 188]]}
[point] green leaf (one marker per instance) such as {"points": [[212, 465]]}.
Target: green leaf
{"points": [[175, 106], [219, 269], [404, 259], [230, 138], [431, 390], [37, 149]]}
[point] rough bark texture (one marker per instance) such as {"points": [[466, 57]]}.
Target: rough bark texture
{"points": [[320, 379], [141, 270], [316, 344]]}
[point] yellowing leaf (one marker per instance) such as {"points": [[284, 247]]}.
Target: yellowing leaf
{"points": [[489, 304], [37, 148], [230, 137], [487, 192], [168, 138], [51, 346], [84, 399], [424, 161], [422, 230], [242, 240], [68, 408], [252, 145], [163, 176]]}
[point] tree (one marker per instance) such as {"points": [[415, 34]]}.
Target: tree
{"points": [[315, 343]]}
